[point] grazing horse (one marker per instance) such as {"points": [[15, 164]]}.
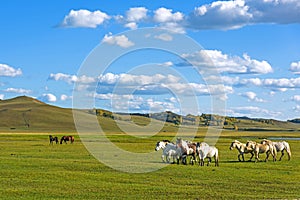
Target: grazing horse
{"points": [[242, 148], [187, 149], [53, 139], [206, 151], [280, 146], [169, 150], [262, 148], [67, 138]]}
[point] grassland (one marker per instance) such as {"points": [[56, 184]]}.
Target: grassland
{"points": [[30, 168]]}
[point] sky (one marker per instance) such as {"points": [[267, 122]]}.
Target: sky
{"points": [[249, 55]]}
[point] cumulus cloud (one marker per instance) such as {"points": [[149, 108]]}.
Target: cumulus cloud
{"points": [[212, 60], [281, 83], [48, 97], [120, 40], [238, 13], [295, 67], [163, 15], [252, 111], [84, 18], [252, 96], [71, 78], [64, 97], [296, 98], [6, 70], [18, 90], [136, 14], [164, 37], [296, 108], [220, 15]]}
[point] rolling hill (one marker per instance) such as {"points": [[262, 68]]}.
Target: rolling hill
{"points": [[26, 114]]}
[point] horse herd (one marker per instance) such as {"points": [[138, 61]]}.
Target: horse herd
{"points": [[63, 139], [182, 149]]}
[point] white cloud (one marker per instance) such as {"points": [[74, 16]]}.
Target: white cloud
{"points": [[252, 96], [163, 15], [136, 14], [164, 37], [212, 60], [220, 15], [1, 96], [282, 83], [166, 64], [252, 111], [120, 40], [169, 20], [295, 98], [48, 97], [238, 13], [131, 25], [296, 108], [72, 78], [6, 70], [18, 90], [64, 97], [130, 79], [295, 67], [84, 18]]}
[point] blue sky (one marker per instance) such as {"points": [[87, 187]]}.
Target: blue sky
{"points": [[254, 45]]}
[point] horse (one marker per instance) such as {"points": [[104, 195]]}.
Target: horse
{"points": [[280, 146], [67, 138], [206, 151], [242, 148], [53, 139], [187, 149], [262, 148], [169, 150]]}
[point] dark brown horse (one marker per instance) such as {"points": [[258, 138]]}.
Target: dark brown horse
{"points": [[67, 138], [53, 139]]}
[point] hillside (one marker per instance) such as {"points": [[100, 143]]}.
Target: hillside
{"points": [[27, 114]]}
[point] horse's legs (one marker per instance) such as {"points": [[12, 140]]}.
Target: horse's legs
{"points": [[268, 154], [209, 161], [282, 153], [252, 154], [239, 157]]}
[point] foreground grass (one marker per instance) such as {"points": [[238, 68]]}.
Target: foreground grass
{"points": [[30, 168]]}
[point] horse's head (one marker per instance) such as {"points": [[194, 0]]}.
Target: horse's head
{"points": [[160, 145], [233, 145], [250, 144]]}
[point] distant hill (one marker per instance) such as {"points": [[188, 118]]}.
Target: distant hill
{"points": [[27, 114], [295, 120]]}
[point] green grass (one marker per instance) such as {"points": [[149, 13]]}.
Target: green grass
{"points": [[30, 168]]}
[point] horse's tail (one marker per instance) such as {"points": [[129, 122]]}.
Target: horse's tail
{"points": [[274, 152], [217, 158], [288, 149]]}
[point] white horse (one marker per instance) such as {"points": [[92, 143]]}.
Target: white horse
{"points": [[206, 151], [169, 150], [280, 146], [242, 148]]}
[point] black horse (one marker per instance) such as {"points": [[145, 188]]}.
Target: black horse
{"points": [[53, 139]]}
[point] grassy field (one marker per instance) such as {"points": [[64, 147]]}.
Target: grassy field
{"points": [[30, 168]]}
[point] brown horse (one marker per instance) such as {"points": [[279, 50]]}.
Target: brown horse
{"points": [[67, 138], [53, 139], [187, 149], [262, 148]]}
